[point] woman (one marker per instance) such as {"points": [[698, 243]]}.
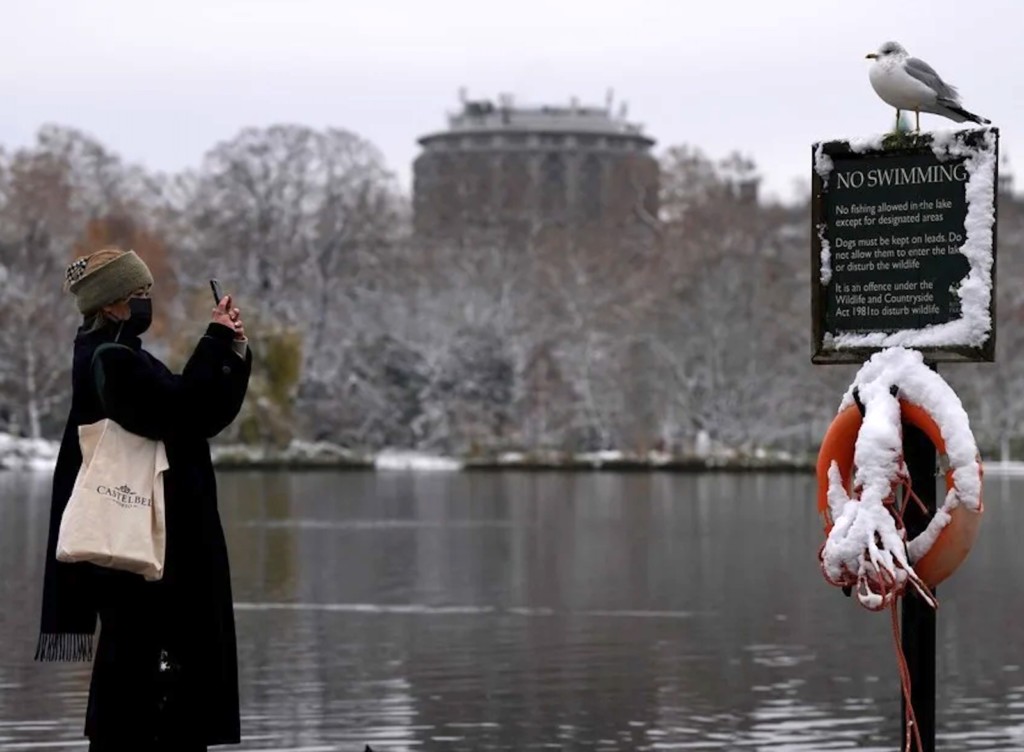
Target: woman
{"points": [[165, 672]]}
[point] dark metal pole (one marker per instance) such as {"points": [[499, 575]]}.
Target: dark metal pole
{"points": [[918, 627]]}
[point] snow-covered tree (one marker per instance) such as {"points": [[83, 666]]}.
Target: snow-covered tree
{"points": [[48, 193]]}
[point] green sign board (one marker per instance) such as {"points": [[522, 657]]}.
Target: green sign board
{"points": [[892, 260]]}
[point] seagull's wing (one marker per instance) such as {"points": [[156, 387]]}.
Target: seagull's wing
{"points": [[924, 73]]}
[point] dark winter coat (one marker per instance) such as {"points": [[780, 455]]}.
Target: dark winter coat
{"points": [[185, 622]]}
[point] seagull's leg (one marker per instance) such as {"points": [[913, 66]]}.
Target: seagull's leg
{"points": [[917, 118], [897, 129]]}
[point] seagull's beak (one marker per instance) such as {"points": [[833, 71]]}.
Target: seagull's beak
{"points": [[871, 56]]}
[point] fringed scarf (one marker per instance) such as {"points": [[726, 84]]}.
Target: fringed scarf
{"points": [[69, 614]]}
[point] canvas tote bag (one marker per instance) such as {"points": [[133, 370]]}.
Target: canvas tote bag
{"points": [[115, 515]]}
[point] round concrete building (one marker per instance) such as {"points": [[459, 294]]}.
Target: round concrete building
{"points": [[504, 165]]}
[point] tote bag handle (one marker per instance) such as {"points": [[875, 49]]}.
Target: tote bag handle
{"points": [[98, 376]]}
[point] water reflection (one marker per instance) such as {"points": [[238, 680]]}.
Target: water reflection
{"points": [[548, 611]]}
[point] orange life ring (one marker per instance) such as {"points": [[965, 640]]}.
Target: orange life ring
{"points": [[954, 541]]}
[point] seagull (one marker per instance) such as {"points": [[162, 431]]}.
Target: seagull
{"points": [[908, 83]]}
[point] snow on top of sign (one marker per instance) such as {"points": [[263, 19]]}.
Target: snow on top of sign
{"points": [[975, 291], [862, 144], [826, 255], [823, 164], [946, 142], [864, 538]]}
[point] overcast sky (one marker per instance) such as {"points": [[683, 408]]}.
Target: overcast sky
{"points": [[161, 82]]}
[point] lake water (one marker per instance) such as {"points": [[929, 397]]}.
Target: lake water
{"points": [[523, 611]]}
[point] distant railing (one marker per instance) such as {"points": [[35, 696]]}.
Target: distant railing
{"points": [[561, 119]]}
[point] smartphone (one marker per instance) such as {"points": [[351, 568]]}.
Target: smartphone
{"points": [[218, 293]]}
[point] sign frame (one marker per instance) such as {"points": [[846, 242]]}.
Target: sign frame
{"points": [[893, 145]]}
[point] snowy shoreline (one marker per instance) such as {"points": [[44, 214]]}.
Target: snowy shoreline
{"points": [[392, 461], [41, 455], [28, 455]]}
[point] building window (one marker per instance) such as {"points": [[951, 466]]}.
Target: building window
{"points": [[552, 184], [443, 202], [515, 182], [591, 187], [479, 186]]}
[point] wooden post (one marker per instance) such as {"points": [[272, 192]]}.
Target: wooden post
{"points": [[918, 623]]}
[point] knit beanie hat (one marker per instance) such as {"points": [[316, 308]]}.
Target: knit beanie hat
{"points": [[107, 282]]}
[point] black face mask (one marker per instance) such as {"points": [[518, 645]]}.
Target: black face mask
{"points": [[141, 318]]}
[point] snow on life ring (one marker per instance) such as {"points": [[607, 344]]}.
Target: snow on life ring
{"points": [[937, 552], [860, 469], [865, 541]]}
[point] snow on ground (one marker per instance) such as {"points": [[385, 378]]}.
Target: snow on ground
{"points": [[37, 455], [1009, 469], [304, 453], [600, 458], [418, 461]]}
